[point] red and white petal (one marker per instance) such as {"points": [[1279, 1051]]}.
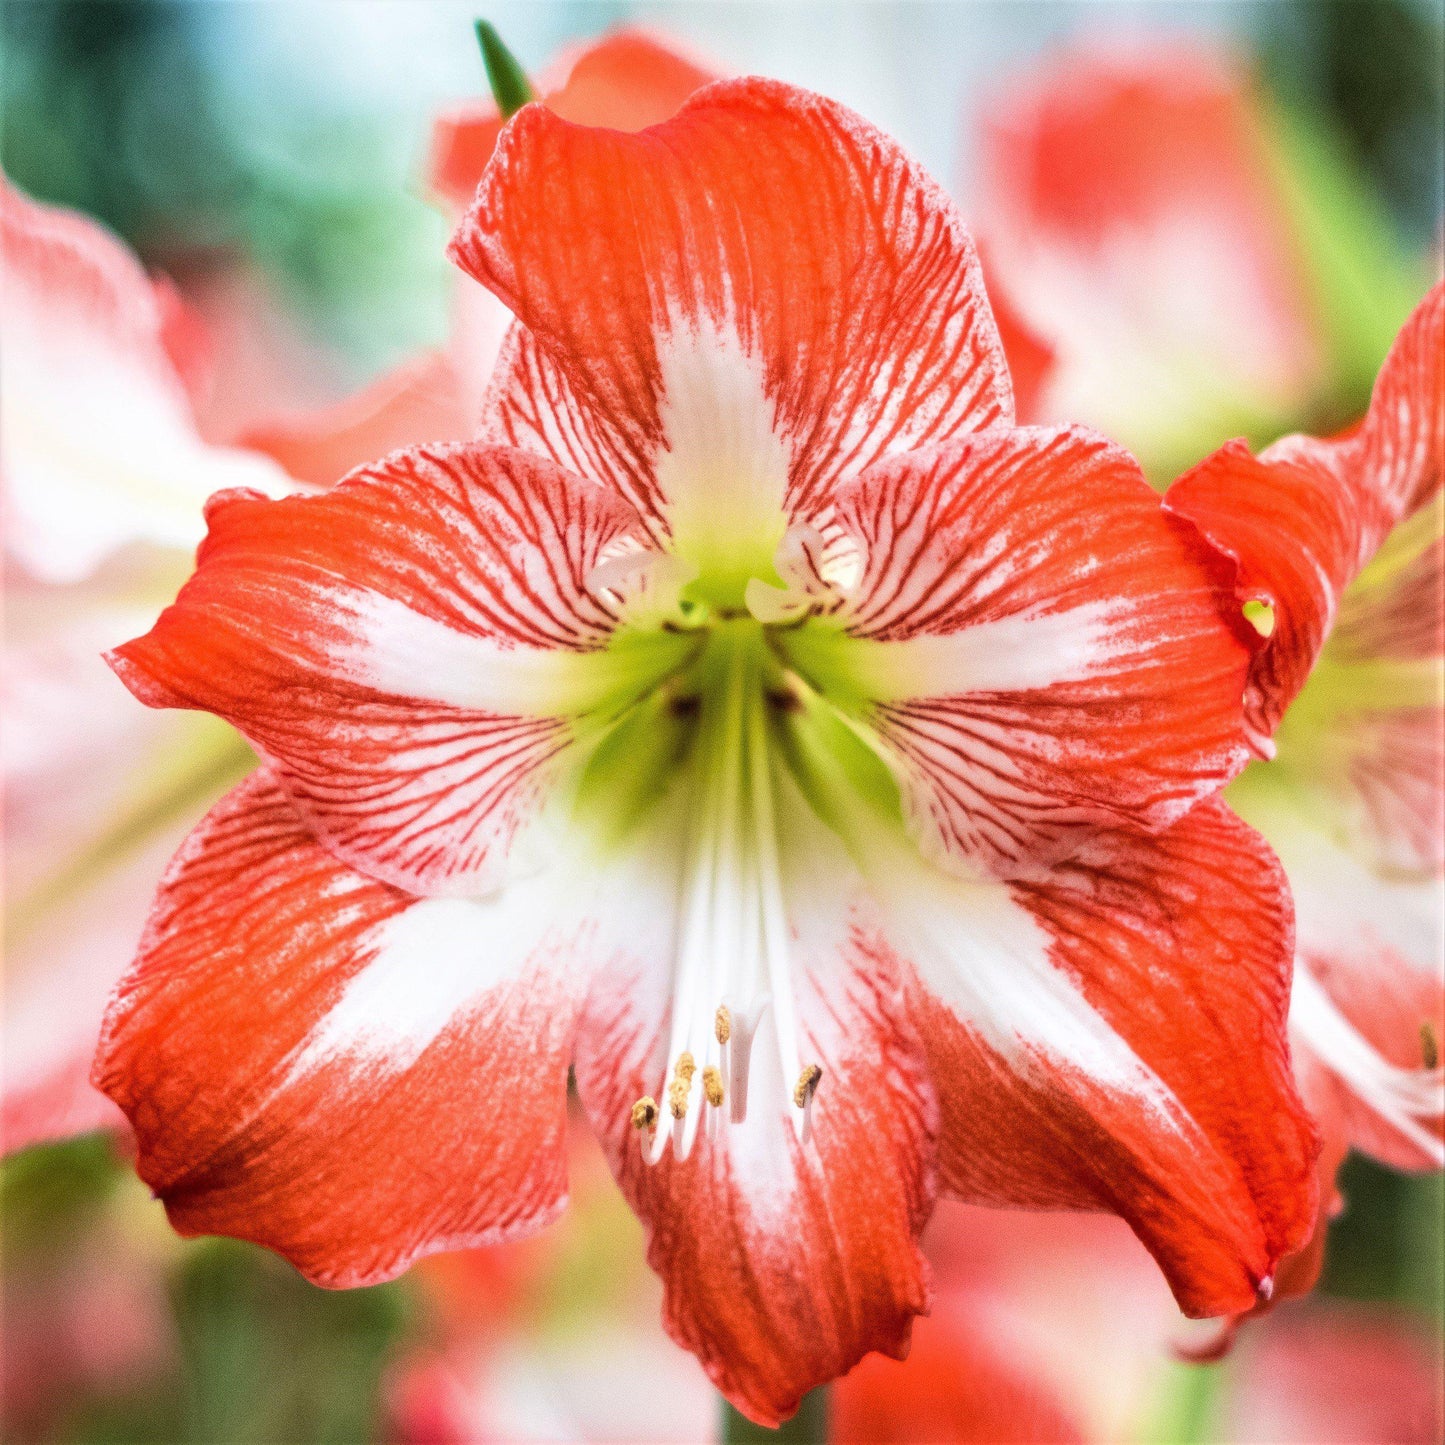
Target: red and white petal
{"points": [[327, 1066], [422, 401], [100, 442], [1111, 1035], [1303, 519], [783, 1262], [1038, 645], [1369, 994], [408, 650], [1137, 222], [713, 371], [626, 80]]}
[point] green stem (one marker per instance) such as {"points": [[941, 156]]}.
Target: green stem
{"points": [[808, 1427]]}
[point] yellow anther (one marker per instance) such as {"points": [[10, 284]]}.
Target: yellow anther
{"points": [[723, 1025], [644, 1113], [686, 1067], [1429, 1045], [1260, 616], [712, 1085], [677, 1092], [807, 1085]]}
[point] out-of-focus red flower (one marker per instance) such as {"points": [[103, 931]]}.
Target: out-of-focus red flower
{"points": [[1051, 1328], [104, 476], [913, 787], [1137, 223], [1343, 540], [553, 1337], [1347, 1374]]}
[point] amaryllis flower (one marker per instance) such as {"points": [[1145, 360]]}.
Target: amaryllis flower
{"points": [[759, 723], [1150, 220], [1342, 542]]}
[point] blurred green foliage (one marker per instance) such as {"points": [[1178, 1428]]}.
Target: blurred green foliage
{"points": [[260, 1356], [1377, 69], [126, 109]]}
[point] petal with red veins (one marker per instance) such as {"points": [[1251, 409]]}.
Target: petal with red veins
{"points": [[627, 80], [713, 366], [1111, 1035], [410, 650], [100, 443], [783, 1262], [1039, 647], [325, 1065], [1304, 518]]}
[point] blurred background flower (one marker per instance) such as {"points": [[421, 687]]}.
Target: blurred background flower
{"points": [[270, 160]]}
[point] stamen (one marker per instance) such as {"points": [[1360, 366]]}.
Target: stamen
{"points": [[644, 1112], [807, 1085], [733, 939], [1429, 1045]]}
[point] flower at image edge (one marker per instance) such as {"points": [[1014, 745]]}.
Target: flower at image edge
{"points": [[1342, 542]]}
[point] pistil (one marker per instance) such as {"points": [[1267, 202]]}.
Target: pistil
{"points": [[732, 962]]}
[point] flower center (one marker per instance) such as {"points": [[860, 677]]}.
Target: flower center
{"points": [[731, 968]]}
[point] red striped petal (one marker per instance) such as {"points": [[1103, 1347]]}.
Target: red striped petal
{"points": [[394, 648], [714, 355], [782, 1262], [327, 1066], [1044, 648], [1170, 1100]]}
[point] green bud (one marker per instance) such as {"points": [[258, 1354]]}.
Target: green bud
{"points": [[510, 87]]}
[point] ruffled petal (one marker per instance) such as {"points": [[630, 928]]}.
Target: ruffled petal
{"points": [[100, 443], [1111, 1035], [627, 80], [782, 1262], [713, 374], [1039, 647], [1302, 520], [410, 650], [322, 1064]]}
